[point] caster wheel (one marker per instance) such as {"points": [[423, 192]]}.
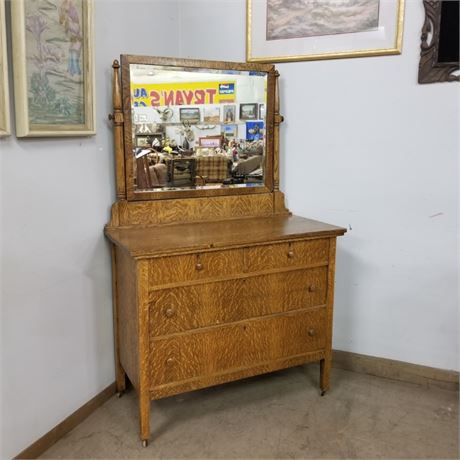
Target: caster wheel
{"points": [[145, 443], [323, 392], [120, 394]]}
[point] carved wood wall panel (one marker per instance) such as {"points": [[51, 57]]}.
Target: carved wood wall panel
{"points": [[430, 70]]}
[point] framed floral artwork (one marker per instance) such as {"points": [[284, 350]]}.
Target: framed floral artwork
{"points": [[283, 30], [53, 66], [4, 88]]}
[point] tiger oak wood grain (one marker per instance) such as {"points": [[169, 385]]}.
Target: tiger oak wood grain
{"points": [[126, 213], [234, 346], [197, 266], [127, 316], [161, 240], [170, 389], [214, 286], [292, 254], [192, 307]]}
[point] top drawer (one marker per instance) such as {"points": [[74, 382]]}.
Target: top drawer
{"points": [[192, 267], [232, 262], [283, 255]]}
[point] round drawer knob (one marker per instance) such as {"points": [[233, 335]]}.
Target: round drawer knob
{"points": [[170, 312], [312, 288], [170, 361], [199, 266], [290, 254], [311, 332]]}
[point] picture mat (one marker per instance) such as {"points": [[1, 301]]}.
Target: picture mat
{"points": [[384, 37]]}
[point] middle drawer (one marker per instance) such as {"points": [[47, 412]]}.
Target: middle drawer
{"points": [[191, 307]]}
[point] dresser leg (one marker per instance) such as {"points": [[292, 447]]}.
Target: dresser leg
{"points": [[144, 416], [325, 371], [121, 381]]}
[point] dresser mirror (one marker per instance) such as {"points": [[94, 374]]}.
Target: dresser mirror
{"points": [[195, 128]]}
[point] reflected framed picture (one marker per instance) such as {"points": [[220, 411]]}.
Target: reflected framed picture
{"points": [[190, 114], [4, 89], [210, 142], [262, 111], [229, 113], [53, 66], [283, 30], [143, 141], [249, 111], [254, 130], [211, 114], [229, 131]]}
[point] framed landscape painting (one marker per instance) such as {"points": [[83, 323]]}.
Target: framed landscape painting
{"points": [[53, 67], [4, 91], [287, 30]]}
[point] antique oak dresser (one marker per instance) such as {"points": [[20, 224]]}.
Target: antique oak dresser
{"points": [[212, 282]]}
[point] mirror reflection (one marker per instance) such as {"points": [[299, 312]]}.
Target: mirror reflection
{"points": [[197, 128]]}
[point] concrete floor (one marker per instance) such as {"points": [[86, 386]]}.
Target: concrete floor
{"points": [[279, 415]]}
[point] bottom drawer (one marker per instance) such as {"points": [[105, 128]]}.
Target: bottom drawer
{"points": [[242, 345]]}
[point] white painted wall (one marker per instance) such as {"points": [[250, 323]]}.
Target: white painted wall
{"points": [[57, 343], [364, 146]]}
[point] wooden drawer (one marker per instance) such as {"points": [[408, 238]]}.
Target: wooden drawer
{"points": [[282, 255], [240, 345], [191, 307], [176, 269]]}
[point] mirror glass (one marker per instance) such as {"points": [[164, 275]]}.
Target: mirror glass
{"points": [[197, 128]]}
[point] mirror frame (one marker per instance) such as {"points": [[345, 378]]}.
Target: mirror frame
{"points": [[131, 193], [430, 70]]}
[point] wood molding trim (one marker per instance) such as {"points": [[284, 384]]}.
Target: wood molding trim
{"points": [[68, 424], [372, 365], [396, 370]]}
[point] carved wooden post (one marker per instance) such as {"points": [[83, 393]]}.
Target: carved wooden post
{"points": [[279, 206], [276, 136], [117, 118]]}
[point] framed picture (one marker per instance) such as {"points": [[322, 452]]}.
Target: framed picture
{"points": [[282, 30], [249, 111], [190, 114], [149, 140], [254, 130], [143, 141], [4, 91], [146, 128], [53, 66], [229, 131], [211, 114], [261, 111], [210, 142], [229, 113]]}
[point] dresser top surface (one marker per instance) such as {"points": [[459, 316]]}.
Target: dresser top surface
{"points": [[177, 238]]}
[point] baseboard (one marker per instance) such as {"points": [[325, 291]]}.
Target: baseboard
{"points": [[396, 370], [60, 430]]}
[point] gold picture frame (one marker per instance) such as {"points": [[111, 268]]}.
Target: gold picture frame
{"points": [[54, 84], [259, 48], [5, 128]]}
